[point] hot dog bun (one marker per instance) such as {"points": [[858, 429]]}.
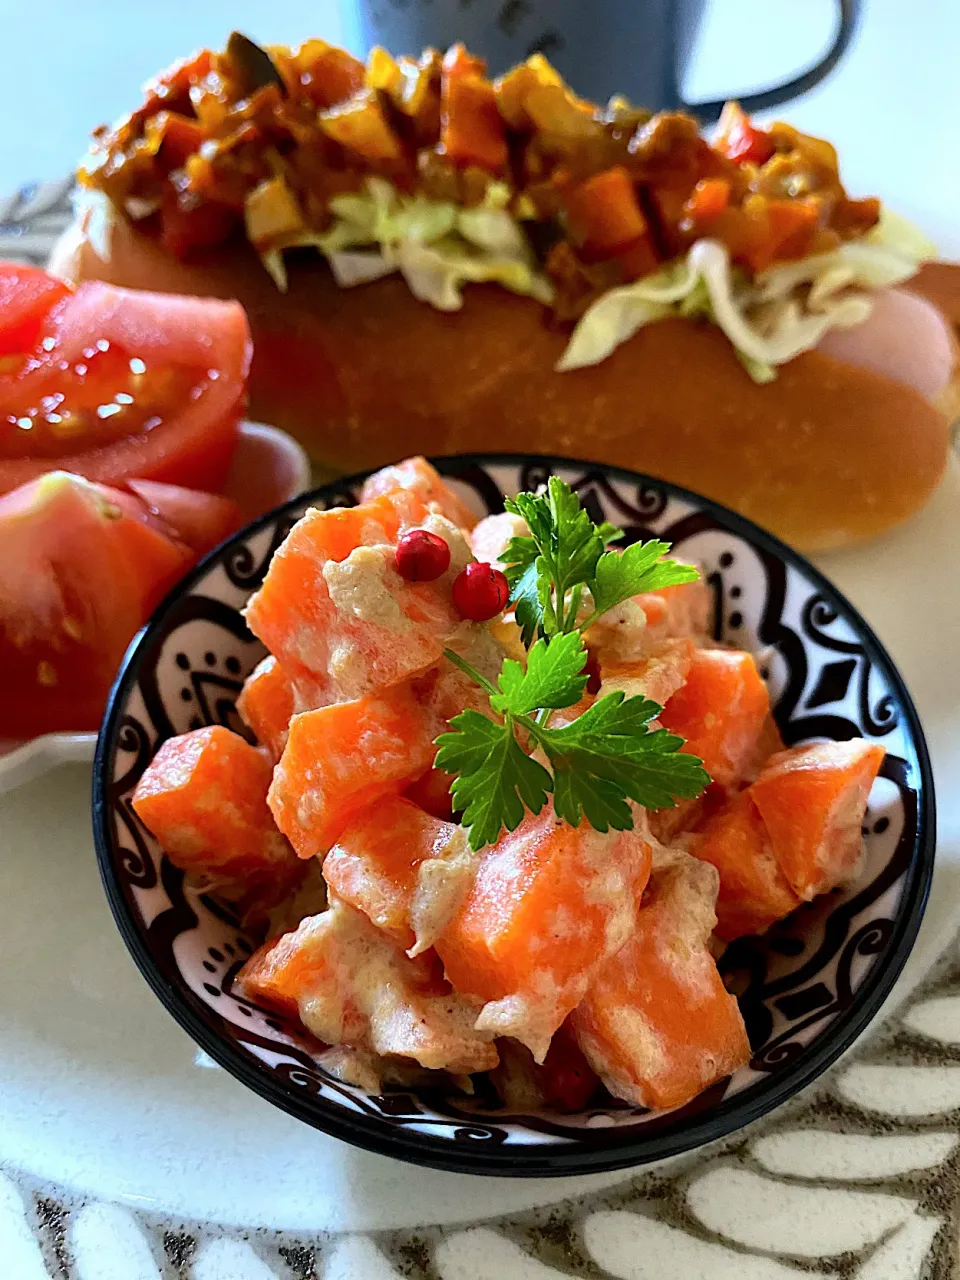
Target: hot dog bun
{"points": [[849, 440]]}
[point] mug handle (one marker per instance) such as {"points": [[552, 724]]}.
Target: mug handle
{"points": [[848, 15]]}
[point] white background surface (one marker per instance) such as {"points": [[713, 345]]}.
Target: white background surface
{"points": [[892, 108]]}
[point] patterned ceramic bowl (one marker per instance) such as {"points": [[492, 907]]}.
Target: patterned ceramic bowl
{"points": [[806, 989]]}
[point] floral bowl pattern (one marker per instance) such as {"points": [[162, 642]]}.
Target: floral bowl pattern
{"points": [[806, 989]]}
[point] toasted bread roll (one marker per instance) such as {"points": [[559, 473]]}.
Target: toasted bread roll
{"points": [[848, 441]]}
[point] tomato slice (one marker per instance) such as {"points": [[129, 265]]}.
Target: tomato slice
{"points": [[26, 296], [124, 383], [201, 520], [81, 567]]}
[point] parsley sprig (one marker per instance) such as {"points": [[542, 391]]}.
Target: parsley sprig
{"points": [[565, 554], [562, 580]]}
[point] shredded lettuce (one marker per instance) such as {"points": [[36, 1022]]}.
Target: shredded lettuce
{"points": [[786, 310], [436, 272], [436, 246], [439, 247]]}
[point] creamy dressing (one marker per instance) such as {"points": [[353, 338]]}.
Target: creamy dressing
{"points": [[443, 882], [359, 588]]}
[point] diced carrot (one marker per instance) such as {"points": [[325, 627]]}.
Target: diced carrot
{"points": [[604, 214], [342, 758], [549, 903], [812, 800], [204, 797], [292, 611], [277, 971], [458, 61], [330, 75], [709, 199], [787, 217], [657, 676], [514, 87], [753, 890], [790, 226], [657, 1025], [336, 613], [720, 711], [471, 129], [416, 477], [266, 705], [352, 986], [383, 72], [374, 864]]}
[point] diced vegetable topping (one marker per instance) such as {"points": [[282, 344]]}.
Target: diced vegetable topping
{"points": [[449, 177], [549, 904]]}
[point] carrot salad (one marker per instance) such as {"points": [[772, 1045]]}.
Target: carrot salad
{"points": [[542, 898]]}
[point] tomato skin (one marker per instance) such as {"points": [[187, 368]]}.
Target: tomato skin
{"points": [[194, 447], [184, 231], [740, 140], [200, 520], [26, 296], [81, 568]]}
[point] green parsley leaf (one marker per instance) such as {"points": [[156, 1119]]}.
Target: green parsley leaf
{"points": [[497, 781], [530, 595], [641, 567], [552, 679], [517, 557], [579, 793], [608, 533], [611, 743], [566, 539], [577, 543], [607, 757]]}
